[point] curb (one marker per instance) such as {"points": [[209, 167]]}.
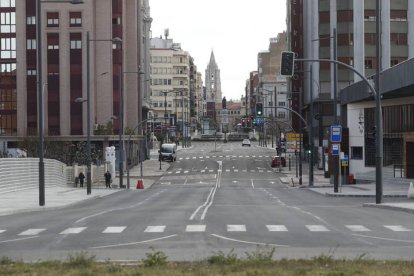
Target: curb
{"points": [[389, 207]]}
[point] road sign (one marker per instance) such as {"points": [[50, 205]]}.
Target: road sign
{"points": [[335, 149], [344, 161], [336, 134]]}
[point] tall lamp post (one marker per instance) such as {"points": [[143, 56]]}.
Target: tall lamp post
{"points": [[40, 93], [88, 109]]}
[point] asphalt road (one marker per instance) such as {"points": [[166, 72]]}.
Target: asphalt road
{"points": [[215, 197]]}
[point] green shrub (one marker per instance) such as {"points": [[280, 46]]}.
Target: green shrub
{"points": [[155, 258], [222, 258]]}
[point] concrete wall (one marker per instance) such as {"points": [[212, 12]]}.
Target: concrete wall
{"points": [[23, 173]]}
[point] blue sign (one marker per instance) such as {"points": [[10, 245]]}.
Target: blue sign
{"points": [[336, 134], [335, 149]]}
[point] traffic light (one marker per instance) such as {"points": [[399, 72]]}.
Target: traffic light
{"points": [[287, 63], [259, 109]]}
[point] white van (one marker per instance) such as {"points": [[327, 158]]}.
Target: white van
{"points": [[168, 152]]}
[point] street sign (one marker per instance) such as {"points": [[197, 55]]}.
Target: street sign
{"points": [[336, 134], [344, 161], [335, 149]]}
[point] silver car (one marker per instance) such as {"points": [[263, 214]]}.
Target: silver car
{"points": [[246, 142]]}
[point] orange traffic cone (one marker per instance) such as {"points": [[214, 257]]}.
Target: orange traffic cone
{"points": [[140, 184]]}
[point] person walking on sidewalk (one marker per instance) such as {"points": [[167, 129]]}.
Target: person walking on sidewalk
{"points": [[81, 179], [108, 178]]}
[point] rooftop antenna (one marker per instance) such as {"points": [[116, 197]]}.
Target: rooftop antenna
{"points": [[166, 33]]}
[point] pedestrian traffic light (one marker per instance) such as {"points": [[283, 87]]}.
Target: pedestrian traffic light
{"points": [[287, 63], [259, 109]]}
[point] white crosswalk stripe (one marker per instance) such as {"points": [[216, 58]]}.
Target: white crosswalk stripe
{"points": [[397, 228], [357, 228], [114, 229], [227, 170], [195, 228], [31, 232], [203, 171], [236, 228], [276, 228], [317, 228], [155, 229], [75, 230], [2, 231], [236, 170]]}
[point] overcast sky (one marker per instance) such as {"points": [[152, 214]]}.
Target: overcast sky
{"points": [[236, 30]]}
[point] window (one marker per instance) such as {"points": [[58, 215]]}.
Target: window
{"points": [[76, 44], [31, 20], [31, 72], [7, 22], [281, 103], [356, 153], [53, 47], [75, 19], [8, 48], [7, 3], [31, 44], [368, 64], [53, 19]]}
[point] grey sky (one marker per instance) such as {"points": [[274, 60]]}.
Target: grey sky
{"points": [[236, 30]]}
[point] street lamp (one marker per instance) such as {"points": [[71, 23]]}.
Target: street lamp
{"points": [[40, 93], [88, 109]]}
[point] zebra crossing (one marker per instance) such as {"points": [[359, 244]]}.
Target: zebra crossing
{"points": [[223, 156], [209, 171], [200, 228]]}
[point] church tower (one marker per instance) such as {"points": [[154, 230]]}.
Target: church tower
{"points": [[213, 83]]}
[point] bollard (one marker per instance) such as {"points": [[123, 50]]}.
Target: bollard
{"points": [[140, 184], [410, 191]]}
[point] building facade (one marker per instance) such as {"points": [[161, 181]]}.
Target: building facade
{"points": [[174, 86], [344, 30], [114, 59]]}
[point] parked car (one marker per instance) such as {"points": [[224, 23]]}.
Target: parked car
{"points": [[246, 142], [278, 161], [168, 152]]}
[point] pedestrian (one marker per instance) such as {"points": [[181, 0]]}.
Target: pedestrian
{"points": [[108, 179], [76, 181], [81, 178]]}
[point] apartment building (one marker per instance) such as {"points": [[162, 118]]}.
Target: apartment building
{"points": [[174, 87], [319, 29], [114, 54]]}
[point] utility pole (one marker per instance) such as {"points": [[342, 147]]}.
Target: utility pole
{"points": [[336, 170]]}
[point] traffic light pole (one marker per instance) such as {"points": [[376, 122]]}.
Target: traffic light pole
{"points": [[378, 117]]}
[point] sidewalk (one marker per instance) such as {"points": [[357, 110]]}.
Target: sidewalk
{"points": [[392, 190], [57, 196]]}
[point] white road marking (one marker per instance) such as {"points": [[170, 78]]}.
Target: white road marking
{"points": [[177, 172], [203, 171], [114, 229], [252, 170], [276, 228], [236, 170], [194, 157], [234, 181], [252, 183], [169, 172], [155, 229], [381, 238], [2, 231], [236, 228], [241, 156], [75, 230], [261, 171], [185, 171], [31, 232], [397, 228], [227, 170], [317, 228], [132, 243], [247, 242], [21, 239], [357, 228], [195, 228], [211, 170], [244, 171]]}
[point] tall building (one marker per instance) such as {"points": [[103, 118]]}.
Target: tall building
{"points": [[213, 81], [316, 29], [213, 96], [174, 85], [114, 55]]}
